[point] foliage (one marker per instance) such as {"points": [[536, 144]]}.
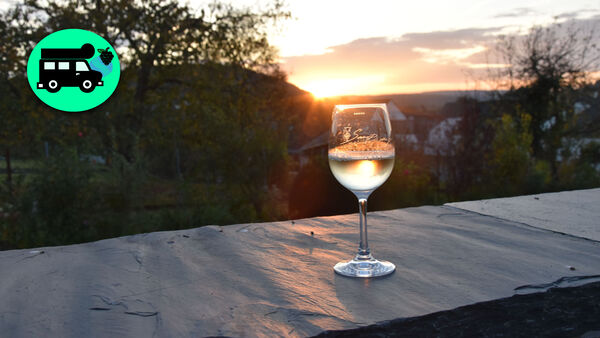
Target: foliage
{"points": [[547, 68], [55, 209], [583, 171], [511, 154], [316, 192], [409, 185], [21, 120], [473, 137], [151, 36], [197, 107], [121, 187]]}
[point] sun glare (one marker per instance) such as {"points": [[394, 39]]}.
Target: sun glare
{"points": [[341, 86], [366, 168]]}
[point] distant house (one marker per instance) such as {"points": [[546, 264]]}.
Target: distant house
{"points": [[398, 120], [402, 127], [441, 138]]}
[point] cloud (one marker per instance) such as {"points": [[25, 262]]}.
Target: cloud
{"points": [[379, 52], [412, 62], [445, 56], [451, 39], [567, 16], [516, 13]]}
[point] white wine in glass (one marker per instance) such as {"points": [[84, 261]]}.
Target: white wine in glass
{"points": [[361, 157]]}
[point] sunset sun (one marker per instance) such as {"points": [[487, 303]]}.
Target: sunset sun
{"points": [[327, 87]]}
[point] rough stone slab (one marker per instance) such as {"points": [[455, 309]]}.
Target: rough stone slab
{"points": [[571, 212], [276, 279], [559, 312]]}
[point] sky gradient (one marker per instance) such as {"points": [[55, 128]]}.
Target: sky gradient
{"points": [[382, 47]]}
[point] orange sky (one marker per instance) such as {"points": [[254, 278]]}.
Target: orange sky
{"points": [[383, 47], [384, 66]]}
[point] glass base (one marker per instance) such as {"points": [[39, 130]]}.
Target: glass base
{"points": [[369, 267]]}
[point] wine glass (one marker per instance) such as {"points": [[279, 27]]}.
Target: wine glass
{"points": [[361, 157]]}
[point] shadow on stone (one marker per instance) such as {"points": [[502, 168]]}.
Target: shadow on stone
{"points": [[558, 312]]}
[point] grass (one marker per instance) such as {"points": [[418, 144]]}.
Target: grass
{"points": [[155, 192], [22, 170]]}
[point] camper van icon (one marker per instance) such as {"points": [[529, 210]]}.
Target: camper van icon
{"points": [[68, 67]]}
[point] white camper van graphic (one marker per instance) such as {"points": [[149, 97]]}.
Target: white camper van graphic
{"points": [[68, 67]]}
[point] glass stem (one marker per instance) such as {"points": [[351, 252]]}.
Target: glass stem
{"points": [[363, 249]]}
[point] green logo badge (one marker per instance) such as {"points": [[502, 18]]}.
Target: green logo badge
{"points": [[73, 70]]}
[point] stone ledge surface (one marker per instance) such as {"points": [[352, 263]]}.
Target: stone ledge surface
{"points": [[559, 312], [276, 279], [570, 212]]}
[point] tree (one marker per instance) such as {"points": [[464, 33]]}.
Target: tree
{"points": [[545, 70], [511, 164], [22, 121], [200, 94], [153, 34], [469, 142]]}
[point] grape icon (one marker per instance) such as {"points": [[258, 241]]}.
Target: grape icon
{"points": [[105, 55]]}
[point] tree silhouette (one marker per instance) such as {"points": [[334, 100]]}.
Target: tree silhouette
{"points": [[546, 70]]}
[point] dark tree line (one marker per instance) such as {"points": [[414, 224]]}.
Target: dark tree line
{"points": [[195, 127], [534, 134]]}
